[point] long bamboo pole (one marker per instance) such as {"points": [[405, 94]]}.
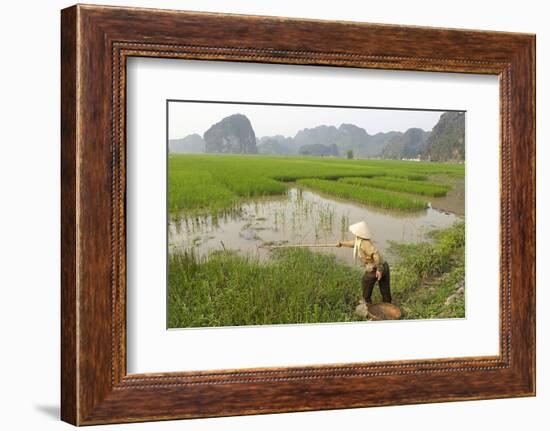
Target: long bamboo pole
{"points": [[300, 245]]}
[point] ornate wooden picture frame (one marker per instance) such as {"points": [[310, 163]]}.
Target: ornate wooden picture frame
{"points": [[96, 41]]}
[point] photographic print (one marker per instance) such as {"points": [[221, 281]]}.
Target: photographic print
{"points": [[303, 214]]}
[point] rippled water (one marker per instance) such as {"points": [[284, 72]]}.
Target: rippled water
{"points": [[300, 217]]}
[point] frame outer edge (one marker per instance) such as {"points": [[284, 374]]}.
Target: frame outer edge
{"points": [[533, 55], [69, 195], [526, 61], [531, 78], [523, 217]]}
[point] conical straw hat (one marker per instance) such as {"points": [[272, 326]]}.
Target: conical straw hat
{"points": [[361, 230]]}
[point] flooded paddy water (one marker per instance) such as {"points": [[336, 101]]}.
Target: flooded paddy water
{"points": [[305, 217]]}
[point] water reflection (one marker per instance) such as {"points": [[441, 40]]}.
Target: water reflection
{"points": [[299, 217]]}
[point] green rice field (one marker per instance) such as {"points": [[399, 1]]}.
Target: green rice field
{"points": [[209, 184]]}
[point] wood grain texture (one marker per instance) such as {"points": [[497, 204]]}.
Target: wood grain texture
{"points": [[96, 41], [69, 366]]}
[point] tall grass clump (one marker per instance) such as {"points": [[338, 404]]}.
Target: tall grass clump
{"points": [[365, 195], [400, 185], [427, 274], [227, 289]]}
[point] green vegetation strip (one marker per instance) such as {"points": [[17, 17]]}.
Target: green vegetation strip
{"points": [[365, 195], [400, 185], [206, 184], [299, 286]]}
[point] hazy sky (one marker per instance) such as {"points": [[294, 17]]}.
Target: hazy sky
{"points": [[186, 118]]}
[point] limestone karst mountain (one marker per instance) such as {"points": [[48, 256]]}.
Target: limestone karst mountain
{"points": [[233, 134], [447, 140]]}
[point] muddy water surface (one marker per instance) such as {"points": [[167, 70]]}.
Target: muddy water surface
{"points": [[300, 217]]}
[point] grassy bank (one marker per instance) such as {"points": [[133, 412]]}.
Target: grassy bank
{"points": [[206, 184], [298, 286], [427, 276], [227, 290]]}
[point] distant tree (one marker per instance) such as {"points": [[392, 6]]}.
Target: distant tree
{"points": [[349, 154]]}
